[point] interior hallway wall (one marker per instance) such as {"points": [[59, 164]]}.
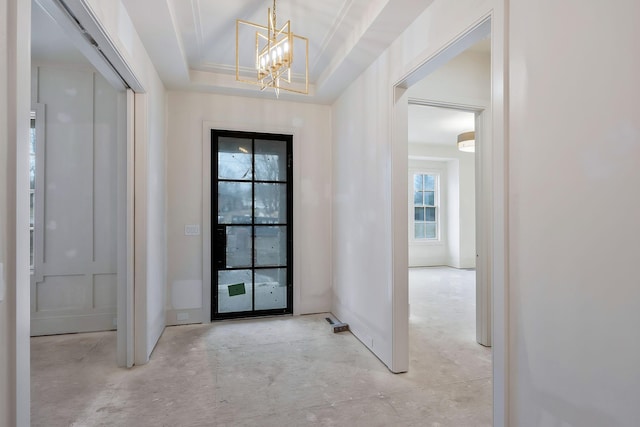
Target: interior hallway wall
{"points": [[466, 80], [366, 207], [151, 184], [574, 150], [187, 112], [7, 191], [15, 63]]}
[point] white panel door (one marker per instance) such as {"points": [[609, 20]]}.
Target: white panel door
{"points": [[74, 282]]}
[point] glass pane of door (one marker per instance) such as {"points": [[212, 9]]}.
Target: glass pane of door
{"points": [[234, 202], [271, 161], [271, 288], [271, 246], [234, 290], [234, 159], [270, 203], [239, 250], [252, 242]]}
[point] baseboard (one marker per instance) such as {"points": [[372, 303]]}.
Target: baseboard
{"points": [[73, 324]]}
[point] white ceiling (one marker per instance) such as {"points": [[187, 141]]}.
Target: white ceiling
{"points": [[439, 126], [198, 39], [192, 42]]}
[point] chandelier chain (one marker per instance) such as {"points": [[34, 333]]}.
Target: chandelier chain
{"points": [[275, 24]]}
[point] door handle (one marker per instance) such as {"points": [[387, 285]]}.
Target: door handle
{"points": [[220, 255]]}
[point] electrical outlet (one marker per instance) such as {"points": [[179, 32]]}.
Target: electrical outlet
{"points": [[182, 317]]}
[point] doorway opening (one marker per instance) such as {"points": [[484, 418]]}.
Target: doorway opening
{"points": [[443, 335], [434, 129], [81, 186], [252, 239], [448, 105], [490, 213]]}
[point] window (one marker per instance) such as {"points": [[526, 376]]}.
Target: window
{"points": [[425, 206], [32, 184]]}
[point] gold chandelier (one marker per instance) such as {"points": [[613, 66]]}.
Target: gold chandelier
{"points": [[274, 57]]}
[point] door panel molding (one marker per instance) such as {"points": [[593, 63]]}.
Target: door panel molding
{"points": [[75, 257]]}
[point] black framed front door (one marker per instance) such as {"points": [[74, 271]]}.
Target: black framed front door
{"points": [[252, 245]]}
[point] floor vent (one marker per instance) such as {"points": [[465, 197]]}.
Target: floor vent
{"points": [[337, 326]]}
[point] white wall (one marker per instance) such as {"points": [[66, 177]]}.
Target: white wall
{"points": [[361, 255], [466, 256], [14, 212], [574, 162], [7, 186], [453, 201], [151, 232], [366, 206], [190, 118], [152, 223], [466, 79]]}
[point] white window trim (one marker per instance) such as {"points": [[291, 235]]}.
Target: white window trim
{"points": [[439, 240]]}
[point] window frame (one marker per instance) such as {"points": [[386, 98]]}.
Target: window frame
{"points": [[437, 205]]}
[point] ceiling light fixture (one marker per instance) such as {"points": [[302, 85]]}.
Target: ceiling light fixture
{"points": [[274, 57], [467, 142]]}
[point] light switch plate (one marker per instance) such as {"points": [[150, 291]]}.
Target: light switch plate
{"points": [[192, 230]]}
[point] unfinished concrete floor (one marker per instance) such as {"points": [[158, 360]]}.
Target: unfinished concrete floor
{"points": [[286, 371]]}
